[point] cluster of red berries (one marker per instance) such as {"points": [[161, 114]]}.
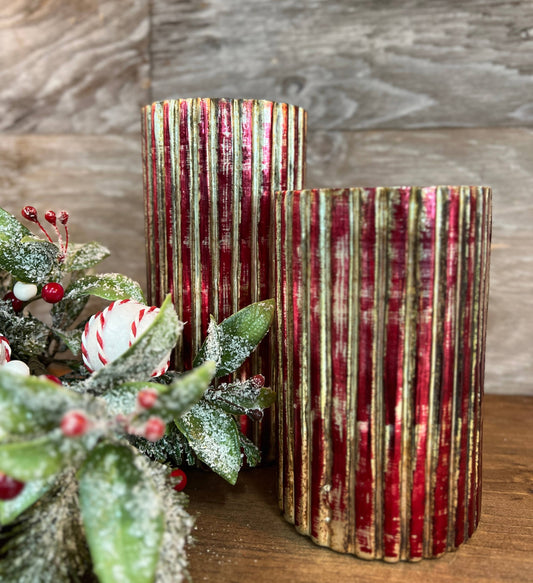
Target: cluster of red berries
{"points": [[75, 423], [53, 291]]}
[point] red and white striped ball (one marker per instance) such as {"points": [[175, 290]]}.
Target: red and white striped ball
{"points": [[5, 350], [108, 334]]}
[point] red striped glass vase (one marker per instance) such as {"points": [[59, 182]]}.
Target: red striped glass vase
{"points": [[211, 167], [382, 309]]}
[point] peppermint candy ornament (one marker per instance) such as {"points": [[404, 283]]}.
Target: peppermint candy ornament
{"points": [[108, 334], [5, 350]]}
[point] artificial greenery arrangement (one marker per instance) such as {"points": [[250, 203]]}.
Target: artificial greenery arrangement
{"points": [[89, 463]]}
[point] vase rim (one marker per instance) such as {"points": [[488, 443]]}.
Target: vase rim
{"points": [[358, 189], [221, 99]]}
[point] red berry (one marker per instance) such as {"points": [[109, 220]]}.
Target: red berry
{"points": [[154, 429], [50, 216], [52, 292], [9, 487], [15, 302], [147, 398], [29, 213], [179, 479], [63, 217], [74, 424], [54, 379], [258, 380]]}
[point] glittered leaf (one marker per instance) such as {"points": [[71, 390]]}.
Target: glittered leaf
{"points": [[11, 228], [251, 451], [143, 356], [27, 335], [109, 286], [30, 404], [242, 398], [29, 259], [40, 457], [214, 437], [84, 256], [122, 514], [230, 343], [33, 490]]}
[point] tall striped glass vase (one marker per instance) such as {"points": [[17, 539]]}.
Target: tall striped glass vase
{"points": [[211, 167], [382, 296]]}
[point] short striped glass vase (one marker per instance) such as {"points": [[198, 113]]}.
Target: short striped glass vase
{"points": [[211, 167], [382, 310]]}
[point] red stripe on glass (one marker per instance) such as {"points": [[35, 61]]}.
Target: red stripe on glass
{"points": [[204, 204], [185, 216], [364, 476], [318, 469], [340, 278], [426, 273], [169, 197], [442, 469], [393, 370]]}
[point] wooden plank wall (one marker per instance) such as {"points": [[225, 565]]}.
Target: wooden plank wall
{"points": [[398, 92]]}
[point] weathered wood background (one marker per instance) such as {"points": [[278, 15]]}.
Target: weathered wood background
{"points": [[403, 92]]}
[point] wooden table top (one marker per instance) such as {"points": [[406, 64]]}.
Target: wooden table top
{"points": [[241, 536]]}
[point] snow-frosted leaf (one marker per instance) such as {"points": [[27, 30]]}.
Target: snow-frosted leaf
{"points": [[11, 228], [122, 514], [109, 286], [143, 356], [72, 339], [236, 337], [84, 256], [177, 398], [30, 404], [39, 458], [27, 335], [10, 509], [214, 437], [29, 259], [242, 398], [251, 451]]}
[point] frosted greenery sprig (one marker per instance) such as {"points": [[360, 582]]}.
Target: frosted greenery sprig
{"points": [[89, 454]]}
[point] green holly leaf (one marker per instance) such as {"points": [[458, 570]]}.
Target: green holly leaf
{"points": [[214, 437], [122, 514], [230, 343], [242, 398], [251, 451], [33, 491], [145, 354], [26, 257], [31, 260], [28, 336], [109, 286], [30, 405], [11, 228], [41, 457], [84, 256]]}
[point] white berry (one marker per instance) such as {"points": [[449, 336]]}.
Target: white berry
{"points": [[17, 367], [24, 291], [111, 332]]}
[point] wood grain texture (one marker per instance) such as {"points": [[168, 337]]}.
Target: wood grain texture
{"points": [[363, 64], [97, 178], [500, 158], [73, 67], [240, 535]]}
